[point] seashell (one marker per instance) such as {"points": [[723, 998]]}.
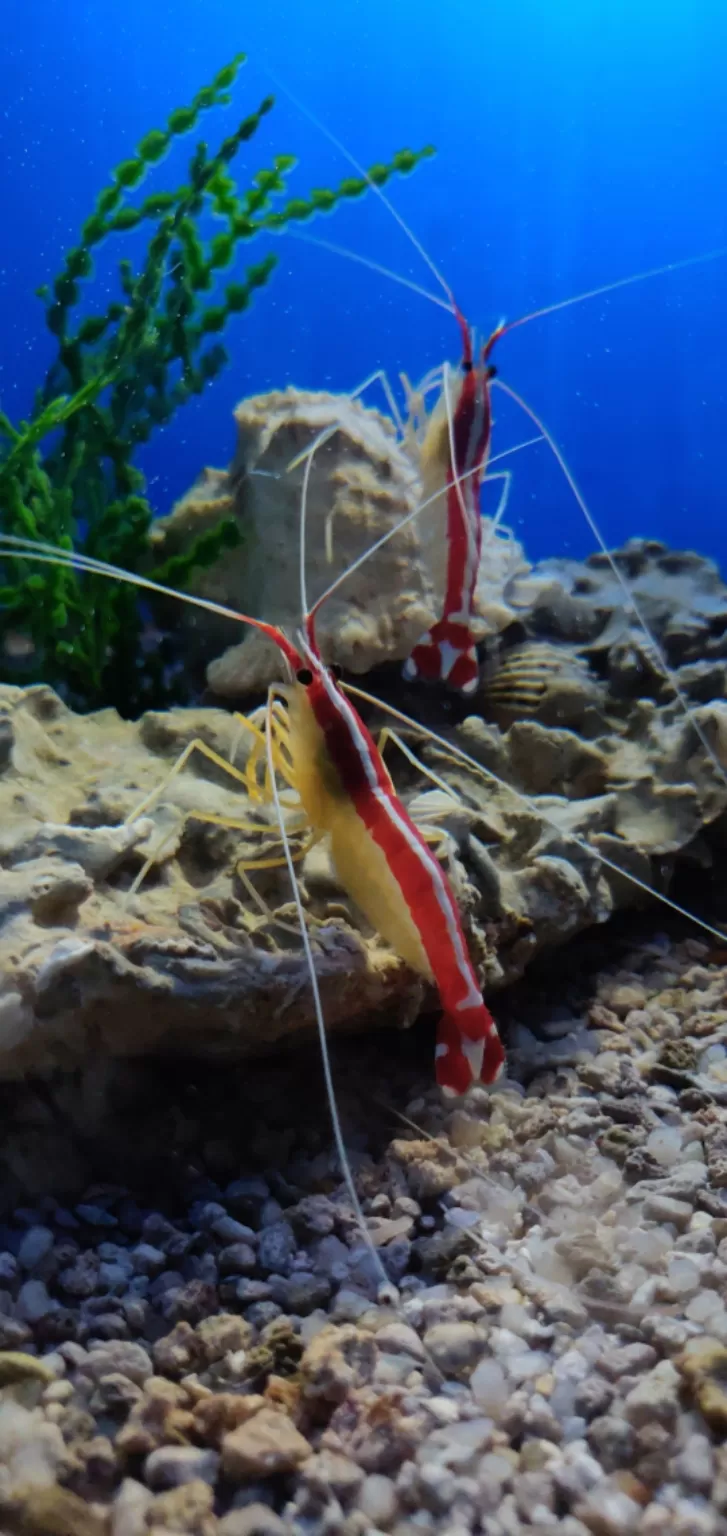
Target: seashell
{"points": [[526, 674]]}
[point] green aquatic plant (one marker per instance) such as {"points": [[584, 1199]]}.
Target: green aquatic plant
{"points": [[67, 475]]}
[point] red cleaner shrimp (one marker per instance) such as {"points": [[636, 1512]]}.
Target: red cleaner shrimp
{"points": [[381, 858], [456, 449], [454, 453]]}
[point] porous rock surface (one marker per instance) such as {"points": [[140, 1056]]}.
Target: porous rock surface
{"points": [[191, 963], [363, 481]]}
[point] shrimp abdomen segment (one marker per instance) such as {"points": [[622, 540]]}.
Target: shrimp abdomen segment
{"points": [[366, 874]]}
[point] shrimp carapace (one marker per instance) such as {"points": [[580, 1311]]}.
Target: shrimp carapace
{"points": [[454, 456]]}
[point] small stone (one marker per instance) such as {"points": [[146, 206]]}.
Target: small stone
{"points": [[267, 1445], [276, 1249], [669, 1334], [115, 1394], [253, 1520], [179, 1352], [129, 1509], [186, 1508], [655, 1399], [247, 1196], [33, 1301], [613, 1441], [608, 1511], [300, 1294], [694, 1465], [703, 1366], [378, 1500], [35, 1247], [80, 1279], [13, 1333], [624, 997], [96, 1216], [534, 1495], [577, 1473], [189, 1303], [118, 1356], [222, 1335], [8, 1269], [593, 1397], [629, 1360], [172, 1465], [53, 1511], [237, 1259], [228, 1230], [664, 1208], [330, 1472], [147, 1260], [455, 1347], [16, 1367], [314, 1216], [399, 1339]]}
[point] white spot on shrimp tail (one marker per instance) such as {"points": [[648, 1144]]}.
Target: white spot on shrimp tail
{"points": [[449, 655], [473, 1051]]}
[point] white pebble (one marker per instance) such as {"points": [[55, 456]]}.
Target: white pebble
{"points": [[665, 1145], [526, 1366], [515, 1318], [682, 1274], [377, 1499], [706, 1304], [489, 1388]]}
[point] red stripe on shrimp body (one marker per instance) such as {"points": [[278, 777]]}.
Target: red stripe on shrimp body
{"points": [[469, 1046], [447, 653]]}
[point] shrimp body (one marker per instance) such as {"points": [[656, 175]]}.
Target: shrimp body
{"points": [[386, 867], [454, 455]]}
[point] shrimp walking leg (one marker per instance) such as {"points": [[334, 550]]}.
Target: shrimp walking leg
{"points": [[387, 734]]}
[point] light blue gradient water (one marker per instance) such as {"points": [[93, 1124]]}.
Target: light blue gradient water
{"points": [[576, 143]]}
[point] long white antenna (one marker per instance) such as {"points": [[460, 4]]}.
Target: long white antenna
{"points": [[373, 266], [320, 1020], [361, 171]]}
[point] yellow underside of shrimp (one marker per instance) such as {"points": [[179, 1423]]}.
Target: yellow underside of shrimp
{"points": [[360, 864]]}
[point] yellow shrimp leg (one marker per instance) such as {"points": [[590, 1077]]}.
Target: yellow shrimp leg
{"points": [[387, 734], [242, 776]]}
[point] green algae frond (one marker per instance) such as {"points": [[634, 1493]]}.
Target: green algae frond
{"points": [[123, 369]]}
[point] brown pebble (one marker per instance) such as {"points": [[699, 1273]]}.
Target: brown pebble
{"points": [[50, 1511], [187, 1508], [703, 1364], [268, 1444], [16, 1366]]}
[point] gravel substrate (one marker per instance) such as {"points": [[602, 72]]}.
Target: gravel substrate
{"points": [[201, 1349]]}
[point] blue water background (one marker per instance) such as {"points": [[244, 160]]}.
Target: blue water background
{"points": [[577, 143]]}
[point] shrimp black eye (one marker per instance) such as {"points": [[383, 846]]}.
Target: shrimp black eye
{"points": [[304, 676], [492, 371], [336, 671], [467, 365]]}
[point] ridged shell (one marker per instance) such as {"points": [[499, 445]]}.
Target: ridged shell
{"points": [[527, 674]]}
